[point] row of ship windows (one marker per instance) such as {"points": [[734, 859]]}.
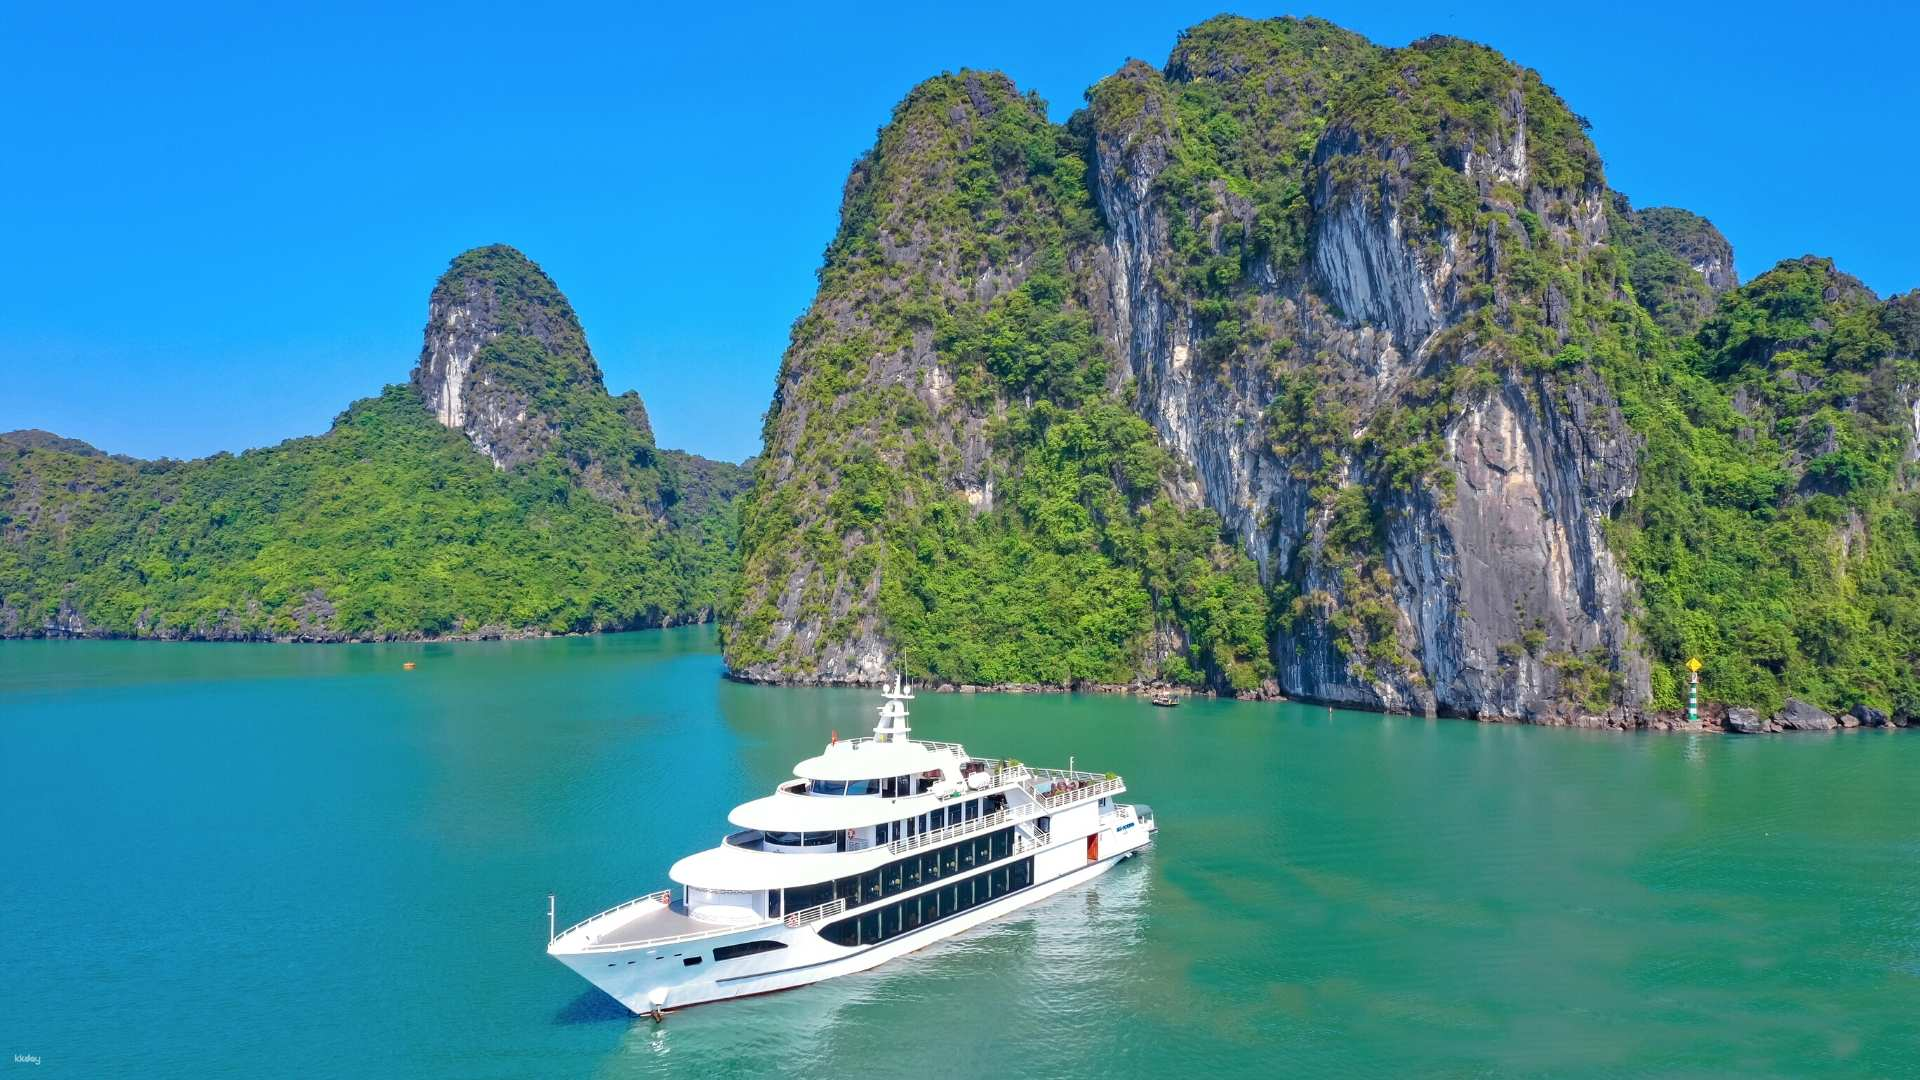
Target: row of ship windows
{"points": [[938, 818], [903, 916], [900, 874], [891, 787]]}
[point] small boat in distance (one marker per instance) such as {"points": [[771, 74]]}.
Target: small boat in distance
{"points": [[1164, 699], [878, 847]]}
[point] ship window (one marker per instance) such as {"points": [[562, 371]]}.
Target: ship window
{"points": [[890, 878], [692, 960], [843, 787], [949, 900], [870, 928], [910, 870], [1021, 873], [950, 859], [973, 809], [801, 897], [746, 948], [844, 932], [1002, 842], [966, 854], [870, 885], [803, 839], [930, 866], [773, 903], [890, 922], [848, 889]]}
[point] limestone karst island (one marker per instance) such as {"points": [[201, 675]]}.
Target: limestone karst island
{"points": [[1256, 449]]}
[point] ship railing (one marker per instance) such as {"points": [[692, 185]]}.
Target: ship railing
{"points": [[944, 747], [933, 837], [1079, 790], [1040, 838], [1065, 774], [816, 913], [664, 896]]}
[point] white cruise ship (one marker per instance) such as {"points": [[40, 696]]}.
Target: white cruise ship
{"points": [[880, 847]]}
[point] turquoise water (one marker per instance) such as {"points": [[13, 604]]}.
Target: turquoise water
{"points": [[243, 860]]}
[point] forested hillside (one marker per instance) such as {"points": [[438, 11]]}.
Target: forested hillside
{"points": [[541, 506]]}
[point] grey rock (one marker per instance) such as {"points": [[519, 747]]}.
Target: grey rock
{"points": [[1868, 716], [1797, 715], [1744, 721]]}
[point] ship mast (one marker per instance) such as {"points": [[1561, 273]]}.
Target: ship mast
{"points": [[893, 715]]}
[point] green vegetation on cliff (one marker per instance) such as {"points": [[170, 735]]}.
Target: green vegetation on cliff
{"points": [[1777, 530], [1067, 557]]}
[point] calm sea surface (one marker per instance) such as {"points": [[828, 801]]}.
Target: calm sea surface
{"points": [[246, 860]]}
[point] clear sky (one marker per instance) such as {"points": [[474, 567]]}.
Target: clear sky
{"points": [[221, 225]]}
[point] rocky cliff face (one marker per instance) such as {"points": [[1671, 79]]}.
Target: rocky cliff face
{"points": [[1489, 569], [1392, 336], [500, 334], [506, 362]]}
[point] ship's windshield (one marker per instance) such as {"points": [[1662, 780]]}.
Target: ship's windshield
{"points": [[843, 787], [803, 839], [891, 787]]}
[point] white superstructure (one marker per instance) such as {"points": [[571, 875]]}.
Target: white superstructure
{"points": [[880, 846]]}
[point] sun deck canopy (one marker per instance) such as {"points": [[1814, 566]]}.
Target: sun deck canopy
{"points": [[867, 759], [787, 812]]}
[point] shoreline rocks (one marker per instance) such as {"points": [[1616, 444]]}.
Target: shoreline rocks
{"points": [[1717, 718], [1797, 715]]}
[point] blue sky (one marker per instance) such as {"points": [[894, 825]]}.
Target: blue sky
{"points": [[220, 225]]}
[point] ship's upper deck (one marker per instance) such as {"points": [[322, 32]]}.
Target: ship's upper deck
{"points": [[864, 800], [853, 760]]}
